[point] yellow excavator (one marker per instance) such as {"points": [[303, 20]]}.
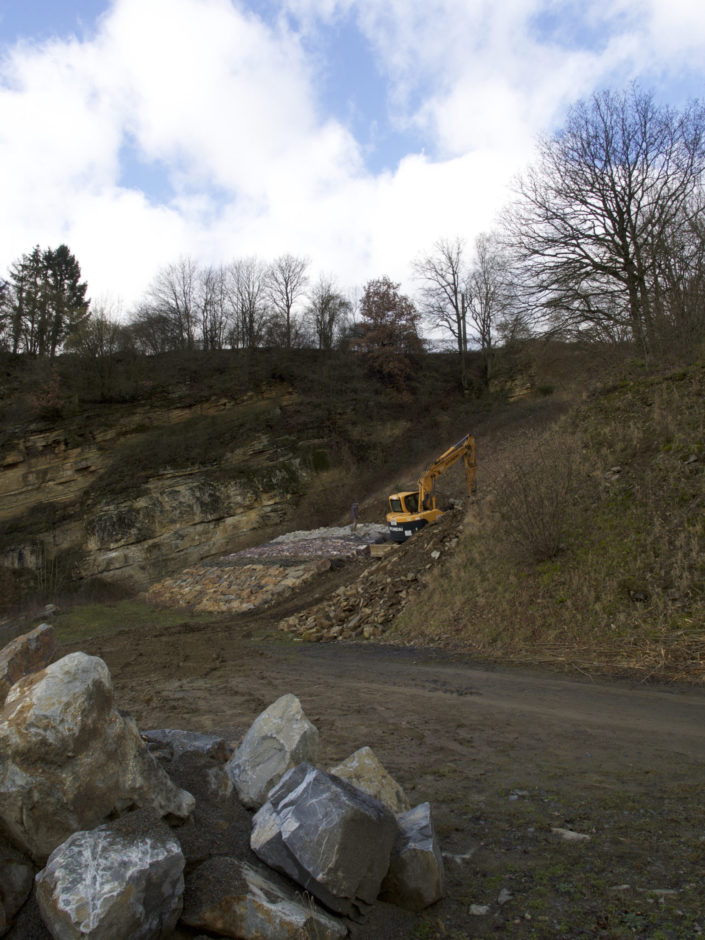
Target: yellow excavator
{"points": [[409, 512]]}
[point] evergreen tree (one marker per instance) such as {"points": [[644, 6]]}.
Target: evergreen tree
{"points": [[44, 301]]}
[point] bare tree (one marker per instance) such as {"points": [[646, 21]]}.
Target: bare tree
{"points": [[153, 332], [328, 312], [600, 217], [285, 285], [443, 275], [97, 341], [246, 285], [215, 306], [173, 297], [490, 299]]}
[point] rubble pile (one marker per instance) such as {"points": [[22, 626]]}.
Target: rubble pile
{"points": [[106, 832], [364, 608], [257, 576], [234, 589]]}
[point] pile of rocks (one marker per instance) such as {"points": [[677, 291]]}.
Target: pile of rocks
{"points": [[99, 840], [221, 588], [257, 576], [365, 608]]}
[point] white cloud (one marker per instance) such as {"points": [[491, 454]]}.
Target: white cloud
{"points": [[225, 106]]}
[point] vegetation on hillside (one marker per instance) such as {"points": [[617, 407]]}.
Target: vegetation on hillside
{"points": [[586, 544]]}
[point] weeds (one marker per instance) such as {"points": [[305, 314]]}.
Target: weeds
{"points": [[589, 551], [535, 496]]}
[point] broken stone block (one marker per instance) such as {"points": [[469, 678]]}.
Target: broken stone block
{"points": [[168, 743], [24, 655], [415, 879], [279, 739], [231, 898], [365, 771], [110, 883], [328, 836], [69, 760]]}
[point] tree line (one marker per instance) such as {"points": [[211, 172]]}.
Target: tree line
{"points": [[603, 241]]}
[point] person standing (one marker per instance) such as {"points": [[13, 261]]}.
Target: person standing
{"points": [[354, 510]]}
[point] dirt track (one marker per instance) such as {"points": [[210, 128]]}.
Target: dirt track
{"points": [[504, 755]]}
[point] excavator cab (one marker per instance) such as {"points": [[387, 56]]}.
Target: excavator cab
{"points": [[404, 517]]}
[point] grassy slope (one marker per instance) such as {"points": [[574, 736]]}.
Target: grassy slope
{"points": [[620, 484], [614, 481]]}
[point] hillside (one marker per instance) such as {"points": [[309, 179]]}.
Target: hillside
{"points": [[180, 458], [583, 547], [586, 545]]}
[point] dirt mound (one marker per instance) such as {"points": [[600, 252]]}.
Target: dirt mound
{"points": [[365, 607]]}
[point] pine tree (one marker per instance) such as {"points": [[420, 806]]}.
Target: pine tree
{"points": [[44, 301]]}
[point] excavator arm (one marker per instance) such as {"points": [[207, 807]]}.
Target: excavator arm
{"points": [[465, 450]]}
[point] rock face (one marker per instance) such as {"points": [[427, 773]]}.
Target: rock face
{"points": [[232, 899], [328, 836], [24, 655], [279, 739], [365, 772], [172, 519], [415, 879], [69, 760], [176, 520], [107, 883]]}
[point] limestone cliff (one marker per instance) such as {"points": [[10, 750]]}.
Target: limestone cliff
{"points": [[90, 494]]}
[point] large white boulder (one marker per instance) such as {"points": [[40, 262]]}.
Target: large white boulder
{"points": [[328, 836], [106, 884], [279, 739], [69, 760]]}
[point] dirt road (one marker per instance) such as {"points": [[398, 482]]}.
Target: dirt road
{"points": [[505, 756]]}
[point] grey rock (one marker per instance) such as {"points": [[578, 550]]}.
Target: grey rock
{"points": [[328, 836], [366, 772], [70, 761], [169, 743], [16, 880], [233, 899], [569, 835], [24, 655], [279, 739], [416, 877], [108, 883]]}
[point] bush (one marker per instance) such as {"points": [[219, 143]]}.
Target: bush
{"points": [[535, 497]]}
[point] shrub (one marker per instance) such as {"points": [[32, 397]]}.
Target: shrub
{"points": [[535, 495]]}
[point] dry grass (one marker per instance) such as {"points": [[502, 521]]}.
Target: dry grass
{"points": [[587, 550]]}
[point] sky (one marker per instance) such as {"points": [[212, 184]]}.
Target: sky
{"points": [[354, 133]]}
